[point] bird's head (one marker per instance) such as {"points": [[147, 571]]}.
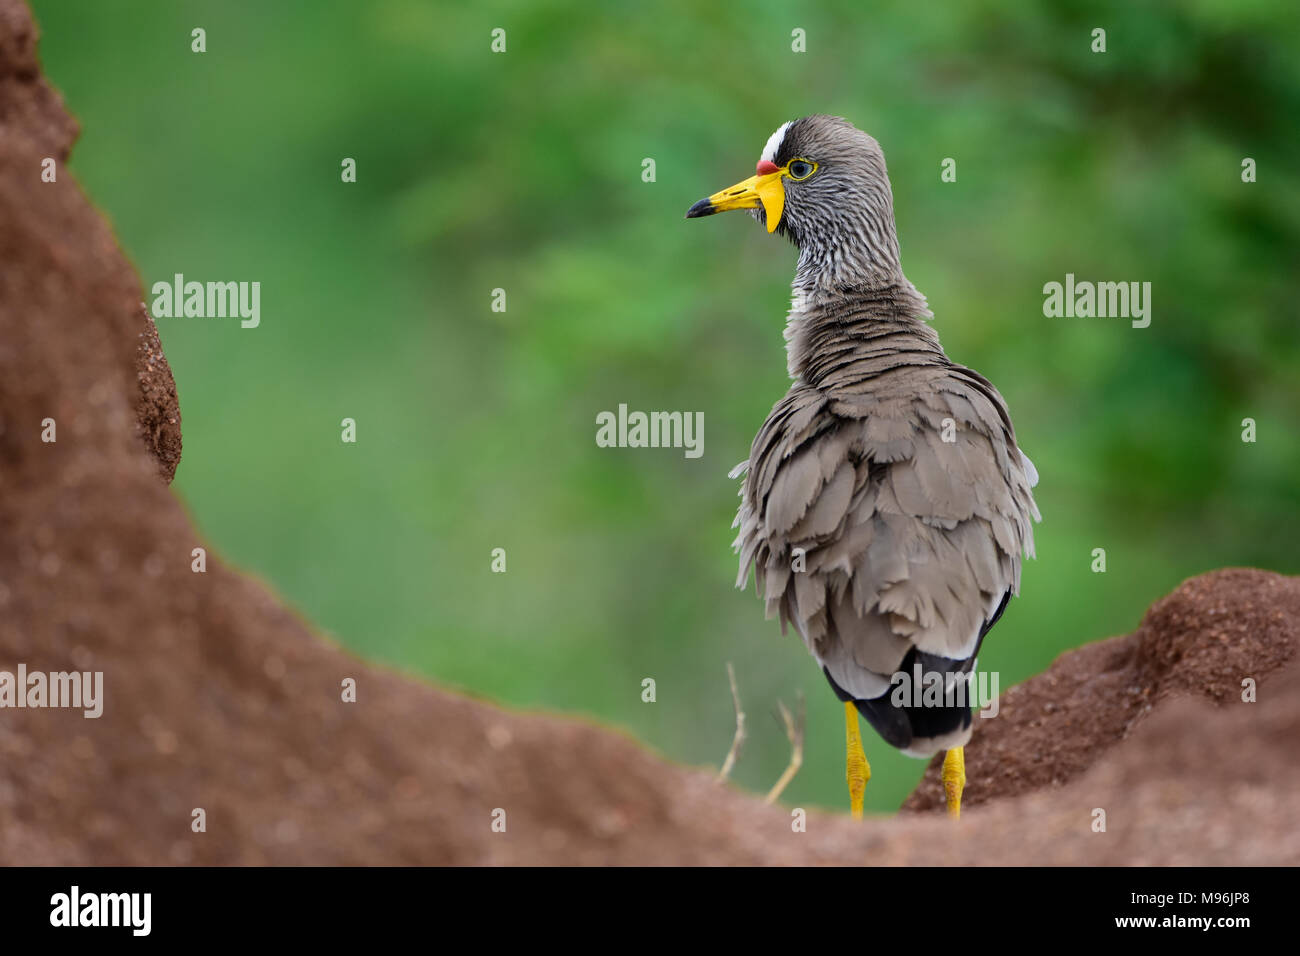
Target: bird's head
{"points": [[821, 182]]}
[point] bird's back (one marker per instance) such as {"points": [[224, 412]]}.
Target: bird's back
{"points": [[886, 507]]}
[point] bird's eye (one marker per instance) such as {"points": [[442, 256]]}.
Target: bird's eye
{"points": [[800, 169]]}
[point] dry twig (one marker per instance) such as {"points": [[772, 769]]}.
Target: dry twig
{"points": [[739, 738], [793, 730]]}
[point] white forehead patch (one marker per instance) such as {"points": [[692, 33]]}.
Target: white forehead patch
{"points": [[774, 143]]}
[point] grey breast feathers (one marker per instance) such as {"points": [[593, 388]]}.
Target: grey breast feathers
{"points": [[908, 540]]}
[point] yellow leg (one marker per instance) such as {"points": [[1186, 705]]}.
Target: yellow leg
{"points": [[954, 779], [859, 771]]}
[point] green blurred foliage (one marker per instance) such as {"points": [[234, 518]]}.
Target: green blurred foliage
{"points": [[523, 171]]}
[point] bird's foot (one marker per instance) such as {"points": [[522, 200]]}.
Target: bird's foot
{"points": [[954, 779], [858, 771]]}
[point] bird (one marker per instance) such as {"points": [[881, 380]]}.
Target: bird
{"points": [[886, 506]]}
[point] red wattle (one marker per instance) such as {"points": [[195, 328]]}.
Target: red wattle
{"points": [[765, 167]]}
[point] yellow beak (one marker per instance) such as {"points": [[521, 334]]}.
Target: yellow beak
{"points": [[766, 190]]}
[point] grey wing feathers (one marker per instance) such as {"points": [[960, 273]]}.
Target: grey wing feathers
{"points": [[908, 539]]}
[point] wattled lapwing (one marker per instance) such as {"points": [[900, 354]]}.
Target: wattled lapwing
{"points": [[886, 505]]}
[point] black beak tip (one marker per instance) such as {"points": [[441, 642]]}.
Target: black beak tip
{"points": [[701, 208]]}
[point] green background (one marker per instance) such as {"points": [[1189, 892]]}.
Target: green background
{"points": [[522, 171]]}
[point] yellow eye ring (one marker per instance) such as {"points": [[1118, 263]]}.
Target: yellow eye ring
{"points": [[800, 169]]}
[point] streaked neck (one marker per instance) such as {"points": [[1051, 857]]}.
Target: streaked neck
{"points": [[827, 328]]}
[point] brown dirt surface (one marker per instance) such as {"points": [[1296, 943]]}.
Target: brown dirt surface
{"points": [[1204, 639], [157, 407], [217, 696]]}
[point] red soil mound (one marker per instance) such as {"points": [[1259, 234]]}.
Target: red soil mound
{"points": [[1204, 639]]}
